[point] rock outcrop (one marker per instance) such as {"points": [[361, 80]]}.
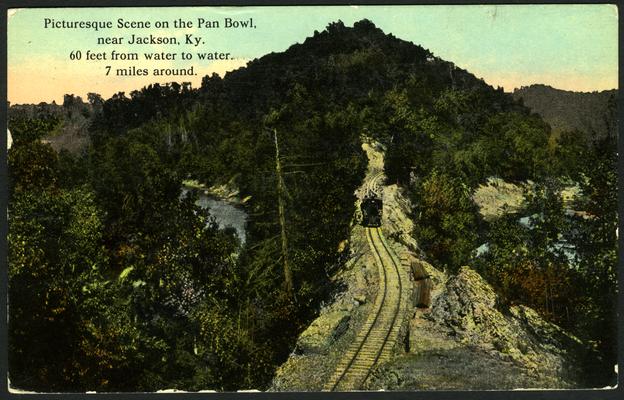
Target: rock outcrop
{"points": [[468, 340], [323, 332]]}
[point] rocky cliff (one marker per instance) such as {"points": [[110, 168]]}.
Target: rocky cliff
{"points": [[469, 340]]}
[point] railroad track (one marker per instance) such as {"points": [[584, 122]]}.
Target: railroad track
{"points": [[376, 339], [374, 180]]}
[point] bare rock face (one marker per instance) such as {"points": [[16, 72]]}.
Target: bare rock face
{"points": [[323, 332], [397, 221], [468, 340], [307, 367], [495, 195], [469, 308]]}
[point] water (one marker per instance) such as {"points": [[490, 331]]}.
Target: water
{"points": [[561, 245], [484, 248], [225, 213]]}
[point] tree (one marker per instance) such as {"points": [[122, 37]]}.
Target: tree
{"points": [[30, 129], [570, 152], [596, 242], [446, 220], [134, 187], [413, 133], [32, 166], [517, 146], [55, 260]]}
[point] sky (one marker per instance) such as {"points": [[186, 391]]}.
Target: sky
{"points": [[570, 47]]}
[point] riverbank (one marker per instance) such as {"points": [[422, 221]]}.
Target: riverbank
{"points": [[227, 192]]}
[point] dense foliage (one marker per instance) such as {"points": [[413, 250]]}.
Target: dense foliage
{"points": [[138, 289], [558, 258], [447, 219]]}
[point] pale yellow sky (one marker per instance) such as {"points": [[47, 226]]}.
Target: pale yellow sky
{"points": [[572, 47], [56, 80]]}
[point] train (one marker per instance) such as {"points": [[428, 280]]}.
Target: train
{"points": [[372, 209]]}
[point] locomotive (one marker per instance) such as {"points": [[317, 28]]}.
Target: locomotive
{"points": [[372, 209]]}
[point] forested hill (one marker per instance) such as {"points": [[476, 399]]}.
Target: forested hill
{"points": [[344, 64], [340, 64], [388, 88], [566, 110]]}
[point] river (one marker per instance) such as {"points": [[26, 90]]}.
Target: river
{"points": [[225, 213]]}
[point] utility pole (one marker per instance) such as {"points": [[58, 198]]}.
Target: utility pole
{"points": [[280, 205]]}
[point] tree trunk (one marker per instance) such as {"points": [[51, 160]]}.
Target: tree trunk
{"points": [[282, 219]]}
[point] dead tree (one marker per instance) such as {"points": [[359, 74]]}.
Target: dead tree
{"points": [[282, 219]]}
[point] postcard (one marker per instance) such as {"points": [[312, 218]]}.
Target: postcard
{"points": [[312, 198]]}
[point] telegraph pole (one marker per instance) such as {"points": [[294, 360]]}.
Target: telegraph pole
{"points": [[280, 205]]}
